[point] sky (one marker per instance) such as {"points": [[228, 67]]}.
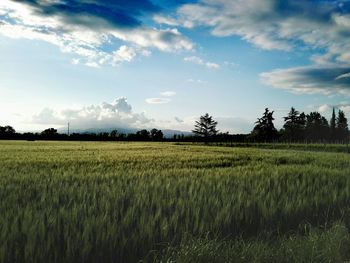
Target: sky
{"points": [[163, 63]]}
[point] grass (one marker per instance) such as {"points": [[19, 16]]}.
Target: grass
{"points": [[318, 147], [331, 245], [123, 202]]}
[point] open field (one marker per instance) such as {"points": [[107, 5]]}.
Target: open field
{"points": [[122, 202]]}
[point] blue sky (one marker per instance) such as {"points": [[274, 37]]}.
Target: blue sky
{"points": [[162, 64]]}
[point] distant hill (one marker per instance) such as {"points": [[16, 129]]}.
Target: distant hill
{"points": [[168, 133]]}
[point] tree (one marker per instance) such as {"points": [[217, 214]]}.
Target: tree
{"points": [[294, 125], [332, 126], [143, 135], [156, 135], [342, 126], [205, 127], [114, 134], [49, 132], [7, 130], [264, 129], [317, 128]]}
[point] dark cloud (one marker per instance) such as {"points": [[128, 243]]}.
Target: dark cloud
{"points": [[85, 27], [321, 25], [275, 24], [311, 79], [120, 13]]}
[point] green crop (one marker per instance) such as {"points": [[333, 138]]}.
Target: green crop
{"points": [[121, 202]]}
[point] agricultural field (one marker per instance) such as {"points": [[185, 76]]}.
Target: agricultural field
{"points": [[165, 202]]}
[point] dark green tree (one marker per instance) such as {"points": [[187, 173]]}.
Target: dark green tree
{"points": [[156, 135], [264, 130], [294, 125], [317, 128], [7, 130], [342, 126], [49, 132], [114, 134], [205, 127], [332, 127], [143, 135]]}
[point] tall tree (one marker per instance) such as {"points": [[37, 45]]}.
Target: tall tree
{"points": [[294, 125], [205, 127], [332, 126], [342, 126], [264, 129]]}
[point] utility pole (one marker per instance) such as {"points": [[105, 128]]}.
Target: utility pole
{"points": [[68, 128]]}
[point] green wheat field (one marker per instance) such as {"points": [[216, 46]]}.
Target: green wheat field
{"points": [[165, 202]]}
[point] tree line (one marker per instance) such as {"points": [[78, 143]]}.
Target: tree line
{"points": [[8, 132], [301, 127], [298, 128]]}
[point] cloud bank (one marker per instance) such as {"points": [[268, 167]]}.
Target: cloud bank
{"points": [[320, 26], [119, 114], [107, 115], [312, 79], [85, 27], [327, 108]]}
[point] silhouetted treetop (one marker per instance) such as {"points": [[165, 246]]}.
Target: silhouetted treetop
{"points": [[294, 125], [49, 131], [264, 129], [205, 127], [156, 135], [342, 130], [7, 130]]}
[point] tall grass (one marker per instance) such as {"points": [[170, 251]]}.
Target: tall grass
{"points": [[118, 202]]}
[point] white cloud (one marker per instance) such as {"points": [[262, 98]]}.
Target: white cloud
{"points": [[162, 100], [198, 81], [284, 25], [251, 19], [212, 65], [21, 20], [168, 93], [327, 108], [324, 108], [345, 108], [163, 39], [75, 61], [272, 25], [146, 53], [346, 75], [107, 115], [92, 64], [165, 20], [119, 114], [158, 100], [194, 59], [199, 61], [230, 64], [124, 53]]}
